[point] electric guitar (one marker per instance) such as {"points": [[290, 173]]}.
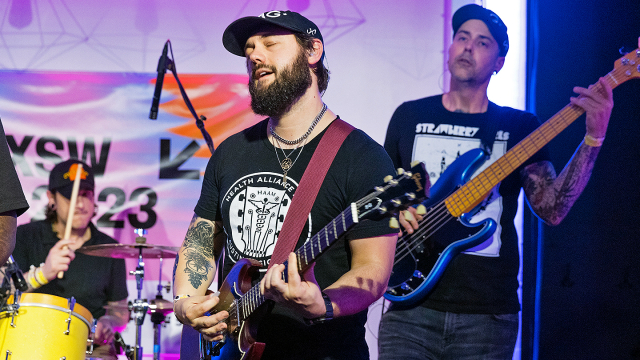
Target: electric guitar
{"points": [[245, 304], [419, 262]]}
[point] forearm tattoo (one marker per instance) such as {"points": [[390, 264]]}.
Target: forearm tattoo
{"points": [[552, 198], [197, 267], [199, 251], [200, 237]]}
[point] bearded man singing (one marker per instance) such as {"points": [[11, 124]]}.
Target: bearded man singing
{"points": [[247, 190]]}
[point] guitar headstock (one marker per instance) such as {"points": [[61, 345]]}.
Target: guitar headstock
{"points": [[398, 193], [626, 68]]}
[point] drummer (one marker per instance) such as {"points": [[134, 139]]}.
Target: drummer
{"points": [[97, 283]]}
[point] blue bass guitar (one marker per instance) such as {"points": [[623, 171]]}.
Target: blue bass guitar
{"points": [[419, 261]]}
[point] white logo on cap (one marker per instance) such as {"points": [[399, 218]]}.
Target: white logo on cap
{"points": [[495, 19], [311, 31], [272, 14]]}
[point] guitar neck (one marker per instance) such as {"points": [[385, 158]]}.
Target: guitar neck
{"points": [[474, 192], [305, 256]]}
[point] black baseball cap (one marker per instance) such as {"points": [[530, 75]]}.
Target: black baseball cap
{"points": [[497, 28], [63, 174], [235, 36]]}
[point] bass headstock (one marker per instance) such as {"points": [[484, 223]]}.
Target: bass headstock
{"points": [[625, 68], [397, 193]]}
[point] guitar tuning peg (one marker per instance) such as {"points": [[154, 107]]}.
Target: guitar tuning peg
{"points": [[388, 178], [407, 215], [400, 171], [421, 210], [624, 50], [393, 223]]}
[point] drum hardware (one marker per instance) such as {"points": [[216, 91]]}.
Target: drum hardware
{"points": [[139, 306], [13, 273], [14, 308], [121, 345], [71, 304], [92, 335], [158, 308]]}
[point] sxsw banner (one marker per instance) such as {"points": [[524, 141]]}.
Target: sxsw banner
{"points": [[148, 172]]}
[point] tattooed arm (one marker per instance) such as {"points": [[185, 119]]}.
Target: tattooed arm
{"points": [[193, 272], [551, 198]]}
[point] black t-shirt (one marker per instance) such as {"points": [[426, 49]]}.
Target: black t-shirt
{"points": [[92, 280], [483, 280], [11, 195], [243, 187]]}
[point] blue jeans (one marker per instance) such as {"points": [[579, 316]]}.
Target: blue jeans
{"points": [[421, 334]]}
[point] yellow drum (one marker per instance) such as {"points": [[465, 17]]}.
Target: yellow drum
{"points": [[44, 328]]}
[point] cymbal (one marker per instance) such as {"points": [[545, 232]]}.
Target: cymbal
{"points": [[155, 305], [132, 251], [160, 305]]}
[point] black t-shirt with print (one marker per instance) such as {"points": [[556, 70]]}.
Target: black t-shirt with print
{"points": [[243, 187], [483, 280], [92, 280]]}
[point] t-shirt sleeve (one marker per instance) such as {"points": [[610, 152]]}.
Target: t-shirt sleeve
{"points": [[208, 203], [369, 165], [11, 195]]}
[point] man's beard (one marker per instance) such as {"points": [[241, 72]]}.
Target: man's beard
{"points": [[291, 83]]}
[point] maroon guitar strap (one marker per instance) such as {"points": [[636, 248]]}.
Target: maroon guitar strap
{"points": [[306, 193]]}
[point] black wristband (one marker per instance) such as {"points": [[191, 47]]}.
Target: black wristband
{"points": [[327, 316]]}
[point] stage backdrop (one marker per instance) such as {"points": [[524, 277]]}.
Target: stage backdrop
{"points": [[78, 79]]}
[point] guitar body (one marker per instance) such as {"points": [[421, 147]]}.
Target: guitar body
{"points": [[239, 343], [415, 274]]}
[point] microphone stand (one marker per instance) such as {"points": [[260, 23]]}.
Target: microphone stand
{"points": [[170, 65]]}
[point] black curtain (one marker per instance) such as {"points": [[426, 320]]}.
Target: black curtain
{"points": [[589, 279]]}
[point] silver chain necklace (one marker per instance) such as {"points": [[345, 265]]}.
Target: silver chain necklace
{"points": [[301, 138], [286, 163]]}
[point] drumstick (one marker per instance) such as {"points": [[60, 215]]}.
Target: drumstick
{"points": [[72, 208]]}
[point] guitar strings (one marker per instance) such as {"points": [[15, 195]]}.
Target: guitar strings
{"points": [[438, 217]]}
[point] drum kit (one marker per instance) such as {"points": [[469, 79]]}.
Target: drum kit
{"points": [[69, 327]]}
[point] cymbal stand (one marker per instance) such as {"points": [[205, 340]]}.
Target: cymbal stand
{"points": [[139, 306], [158, 316]]}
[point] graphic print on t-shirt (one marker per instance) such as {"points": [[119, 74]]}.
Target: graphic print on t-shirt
{"points": [[438, 152], [258, 204]]}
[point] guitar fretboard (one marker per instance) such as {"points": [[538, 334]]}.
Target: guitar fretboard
{"points": [[474, 191], [305, 256]]}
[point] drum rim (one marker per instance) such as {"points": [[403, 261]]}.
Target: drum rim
{"points": [[41, 299], [59, 308]]}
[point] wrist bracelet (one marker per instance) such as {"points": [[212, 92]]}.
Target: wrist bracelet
{"points": [[181, 296], [40, 278], [327, 316], [592, 141], [31, 278]]}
